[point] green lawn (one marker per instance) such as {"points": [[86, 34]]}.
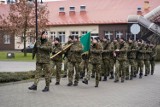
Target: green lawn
{"points": [[19, 56]]}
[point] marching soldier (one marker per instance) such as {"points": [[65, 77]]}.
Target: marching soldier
{"points": [[65, 57], [146, 59], [95, 59], [152, 57], [121, 55], [140, 58], [132, 52], [42, 49], [57, 61], [106, 58], [74, 58]]}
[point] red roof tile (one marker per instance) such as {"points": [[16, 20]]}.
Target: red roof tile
{"points": [[97, 11]]}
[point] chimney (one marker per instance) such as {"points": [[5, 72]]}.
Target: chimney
{"points": [[72, 10], [82, 9], [61, 11], [146, 6], [139, 11]]}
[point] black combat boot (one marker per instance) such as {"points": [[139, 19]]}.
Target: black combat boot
{"points": [[152, 72], [140, 75], [105, 78], [122, 80], [96, 86], [46, 89], [116, 81], [93, 76], [64, 76], [100, 78], [112, 76], [75, 84], [57, 83], [85, 81], [131, 77], [33, 87], [70, 84]]}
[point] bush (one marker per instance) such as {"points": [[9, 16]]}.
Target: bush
{"points": [[6, 77], [15, 76]]}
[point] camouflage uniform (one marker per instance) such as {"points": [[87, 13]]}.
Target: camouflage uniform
{"points": [[106, 58], [74, 58], [152, 58], [57, 61], [121, 56], [42, 48], [132, 52], [95, 59], [140, 59], [146, 60]]}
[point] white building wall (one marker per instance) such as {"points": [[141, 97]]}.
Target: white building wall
{"points": [[67, 29]]}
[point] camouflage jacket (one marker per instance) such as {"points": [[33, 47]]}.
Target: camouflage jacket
{"points": [[74, 53], [95, 54], [55, 50], [147, 53], [141, 52], [153, 53], [122, 53], [132, 51], [42, 50], [107, 52]]}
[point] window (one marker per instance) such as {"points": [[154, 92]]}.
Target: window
{"points": [[82, 7], [61, 35], [72, 8], [7, 39], [108, 34], [83, 32], [119, 34], [31, 39], [61, 9], [74, 33], [52, 35]]}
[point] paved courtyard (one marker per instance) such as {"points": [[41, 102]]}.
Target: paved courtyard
{"points": [[143, 92]]}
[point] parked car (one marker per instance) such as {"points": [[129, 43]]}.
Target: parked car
{"points": [[28, 49]]}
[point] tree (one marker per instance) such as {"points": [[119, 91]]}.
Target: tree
{"points": [[21, 20]]}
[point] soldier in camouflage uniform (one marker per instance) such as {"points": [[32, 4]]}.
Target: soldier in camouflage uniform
{"points": [[57, 61], [146, 59], [140, 58], [74, 58], [121, 55], [95, 58], [65, 57], [152, 57], [132, 53], [106, 58], [42, 49]]}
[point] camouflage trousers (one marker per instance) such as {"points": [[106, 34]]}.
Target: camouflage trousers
{"points": [[152, 62], [65, 66], [71, 67], [140, 65], [96, 68], [40, 69], [132, 62], [127, 69], [147, 66], [107, 66], [85, 68], [58, 66], [120, 69]]}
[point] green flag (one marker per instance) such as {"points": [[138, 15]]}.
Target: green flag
{"points": [[85, 41]]}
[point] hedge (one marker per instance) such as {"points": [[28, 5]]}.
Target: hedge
{"points": [[6, 77]]}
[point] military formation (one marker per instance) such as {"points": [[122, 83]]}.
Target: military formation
{"points": [[119, 60]]}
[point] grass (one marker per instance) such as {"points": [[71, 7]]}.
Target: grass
{"points": [[19, 56]]}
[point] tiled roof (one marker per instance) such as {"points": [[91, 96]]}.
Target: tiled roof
{"points": [[97, 11]]}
